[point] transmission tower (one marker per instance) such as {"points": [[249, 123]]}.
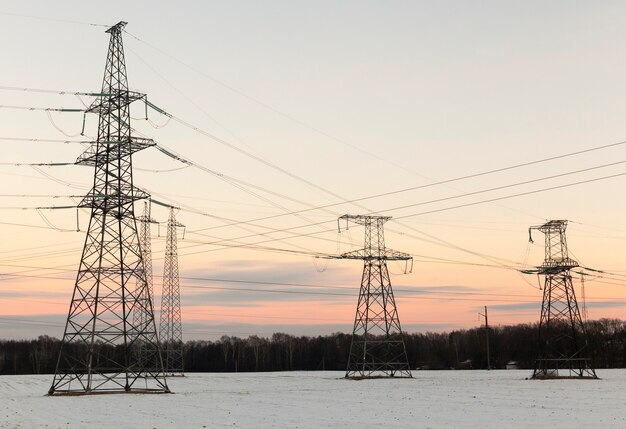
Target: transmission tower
{"points": [[170, 329], [562, 337], [377, 348], [99, 348], [145, 295]]}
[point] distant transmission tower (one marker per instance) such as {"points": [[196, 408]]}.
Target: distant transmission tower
{"points": [[145, 294], [170, 330], [99, 349], [562, 336], [377, 348]]}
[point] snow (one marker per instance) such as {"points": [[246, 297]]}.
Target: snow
{"points": [[432, 399]]}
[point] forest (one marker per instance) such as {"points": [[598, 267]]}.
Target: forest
{"points": [[459, 349]]}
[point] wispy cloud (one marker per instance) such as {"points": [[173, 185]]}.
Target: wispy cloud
{"points": [[536, 306], [252, 283], [514, 307], [18, 326], [606, 304], [33, 294]]}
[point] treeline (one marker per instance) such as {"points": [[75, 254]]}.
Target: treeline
{"points": [[283, 352]]}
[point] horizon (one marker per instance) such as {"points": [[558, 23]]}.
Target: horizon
{"points": [[328, 333]]}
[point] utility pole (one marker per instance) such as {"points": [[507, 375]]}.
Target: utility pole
{"points": [[487, 336], [99, 351], [562, 335], [377, 348]]}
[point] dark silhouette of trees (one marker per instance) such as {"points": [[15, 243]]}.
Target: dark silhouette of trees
{"points": [[461, 349]]}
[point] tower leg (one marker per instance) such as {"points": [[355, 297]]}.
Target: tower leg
{"points": [[562, 336], [377, 348]]}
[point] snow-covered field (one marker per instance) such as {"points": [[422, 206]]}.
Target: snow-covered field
{"points": [[432, 399]]}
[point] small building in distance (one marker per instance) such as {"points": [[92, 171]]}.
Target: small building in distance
{"points": [[512, 364]]}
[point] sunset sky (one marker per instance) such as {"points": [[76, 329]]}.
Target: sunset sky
{"points": [[302, 108]]}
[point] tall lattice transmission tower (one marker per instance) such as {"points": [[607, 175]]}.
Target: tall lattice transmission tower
{"points": [[377, 348], [145, 294], [562, 336], [170, 329], [100, 342]]}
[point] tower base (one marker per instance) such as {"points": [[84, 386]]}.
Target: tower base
{"points": [[378, 358], [549, 369]]}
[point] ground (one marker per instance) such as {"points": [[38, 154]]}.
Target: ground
{"points": [[432, 399]]}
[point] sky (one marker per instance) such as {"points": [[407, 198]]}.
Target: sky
{"points": [[305, 107]]}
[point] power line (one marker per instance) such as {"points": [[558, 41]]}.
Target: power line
{"points": [[232, 222], [49, 254], [263, 248], [514, 195], [25, 225], [498, 188], [482, 202], [43, 18], [38, 195], [437, 240], [254, 233], [2, 252], [515, 166], [433, 185], [37, 164], [181, 159], [295, 176], [412, 290], [38, 140], [234, 182], [291, 118], [473, 193], [44, 109], [190, 100], [243, 152], [51, 91], [38, 207], [175, 157], [302, 179]]}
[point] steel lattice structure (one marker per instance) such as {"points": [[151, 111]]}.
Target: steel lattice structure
{"points": [[562, 336], [170, 329], [377, 348], [146, 295], [99, 351]]}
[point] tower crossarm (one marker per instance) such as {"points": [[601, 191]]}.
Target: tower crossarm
{"points": [[363, 254], [146, 219], [362, 219], [101, 152], [556, 254], [553, 267], [552, 224], [117, 28], [114, 99], [113, 200], [394, 255]]}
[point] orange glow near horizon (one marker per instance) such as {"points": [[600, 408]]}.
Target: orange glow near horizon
{"points": [[426, 311]]}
